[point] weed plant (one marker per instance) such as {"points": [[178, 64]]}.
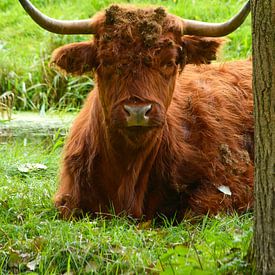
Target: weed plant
{"points": [[25, 48]]}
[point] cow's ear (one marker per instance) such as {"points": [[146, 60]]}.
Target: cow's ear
{"points": [[200, 50], [75, 58]]}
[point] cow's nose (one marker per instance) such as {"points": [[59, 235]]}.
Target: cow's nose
{"points": [[137, 115]]}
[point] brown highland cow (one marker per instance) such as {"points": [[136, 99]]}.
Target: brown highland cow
{"points": [[163, 131]]}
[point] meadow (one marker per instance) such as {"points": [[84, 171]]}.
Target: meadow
{"points": [[33, 239]]}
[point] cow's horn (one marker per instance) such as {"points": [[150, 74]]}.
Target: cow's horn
{"points": [[59, 26], [193, 27]]}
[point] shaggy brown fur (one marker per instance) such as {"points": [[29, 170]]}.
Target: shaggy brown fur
{"points": [[201, 124]]}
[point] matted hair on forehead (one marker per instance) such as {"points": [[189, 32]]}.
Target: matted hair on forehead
{"points": [[128, 24]]}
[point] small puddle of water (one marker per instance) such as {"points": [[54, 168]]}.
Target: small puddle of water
{"points": [[32, 126]]}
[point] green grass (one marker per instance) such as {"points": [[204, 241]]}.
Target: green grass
{"points": [[25, 48], [33, 238]]}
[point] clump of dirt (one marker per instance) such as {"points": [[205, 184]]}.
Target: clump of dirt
{"points": [[226, 154], [131, 16], [126, 23], [159, 15], [149, 32], [237, 167], [111, 14]]}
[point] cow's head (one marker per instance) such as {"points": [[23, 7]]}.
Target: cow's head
{"points": [[136, 55]]}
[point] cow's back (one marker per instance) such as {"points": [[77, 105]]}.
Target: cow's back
{"points": [[216, 102], [214, 106]]}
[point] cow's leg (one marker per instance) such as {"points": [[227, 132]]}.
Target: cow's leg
{"points": [[67, 197], [161, 201], [207, 199]]}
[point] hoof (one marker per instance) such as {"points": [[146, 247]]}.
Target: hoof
{"points": [[66, 206]]}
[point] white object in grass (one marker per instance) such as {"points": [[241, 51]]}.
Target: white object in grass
{"points": [[29, 167], [225, 189]]}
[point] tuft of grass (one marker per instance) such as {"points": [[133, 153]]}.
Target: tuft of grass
{"points": [[6, 105], [25, 48], [34, 239]]}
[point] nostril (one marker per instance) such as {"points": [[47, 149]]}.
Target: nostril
{"points": [[147, 110], [127, 110]]}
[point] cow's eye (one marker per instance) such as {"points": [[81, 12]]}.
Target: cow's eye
{"points": [[168, 64], [107, 63]]}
